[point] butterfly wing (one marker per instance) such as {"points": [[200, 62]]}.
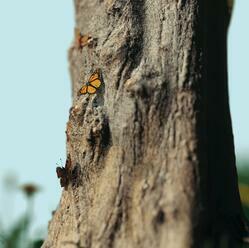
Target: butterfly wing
{"points": [[95, 79], [94, 76], [59, 172], [62, 175], [83, 90], [91, 89], [63, 182], [96, 83]]}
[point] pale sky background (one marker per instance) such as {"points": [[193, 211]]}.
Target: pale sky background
{"points": [[35, 97]]}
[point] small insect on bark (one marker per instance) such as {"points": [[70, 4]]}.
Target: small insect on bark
{"points": [[82, 40], [64, 173], [93, 84]]}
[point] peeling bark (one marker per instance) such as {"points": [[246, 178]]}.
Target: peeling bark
{"points": [[152, 152]]}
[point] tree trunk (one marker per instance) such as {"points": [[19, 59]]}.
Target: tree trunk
{"points": [[152, 156]]}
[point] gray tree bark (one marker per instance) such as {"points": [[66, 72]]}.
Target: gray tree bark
{"points": [[152, 156]]}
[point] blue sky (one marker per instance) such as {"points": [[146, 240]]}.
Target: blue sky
{"points": [[238, 57], [34, 99], [35, 96]]}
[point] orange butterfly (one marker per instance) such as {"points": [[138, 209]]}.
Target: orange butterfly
{"points": [[93, 83], [82, 40]]}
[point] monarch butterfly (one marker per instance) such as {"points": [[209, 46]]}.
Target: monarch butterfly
{"points": [[82, 40], [93, 83]]}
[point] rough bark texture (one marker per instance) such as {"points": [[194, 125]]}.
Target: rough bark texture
{"points": [[152, 152]]}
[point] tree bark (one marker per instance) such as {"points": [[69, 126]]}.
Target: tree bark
{"points": [[152, 153]]}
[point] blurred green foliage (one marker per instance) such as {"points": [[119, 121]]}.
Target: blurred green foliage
{"points": [[17, 236], [243, 176], [243, 170]]}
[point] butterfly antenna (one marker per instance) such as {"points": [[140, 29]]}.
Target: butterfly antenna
{"points": [[59, 165]]}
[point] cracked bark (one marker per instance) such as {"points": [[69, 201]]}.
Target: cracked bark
{"points": [[152, 152]]}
